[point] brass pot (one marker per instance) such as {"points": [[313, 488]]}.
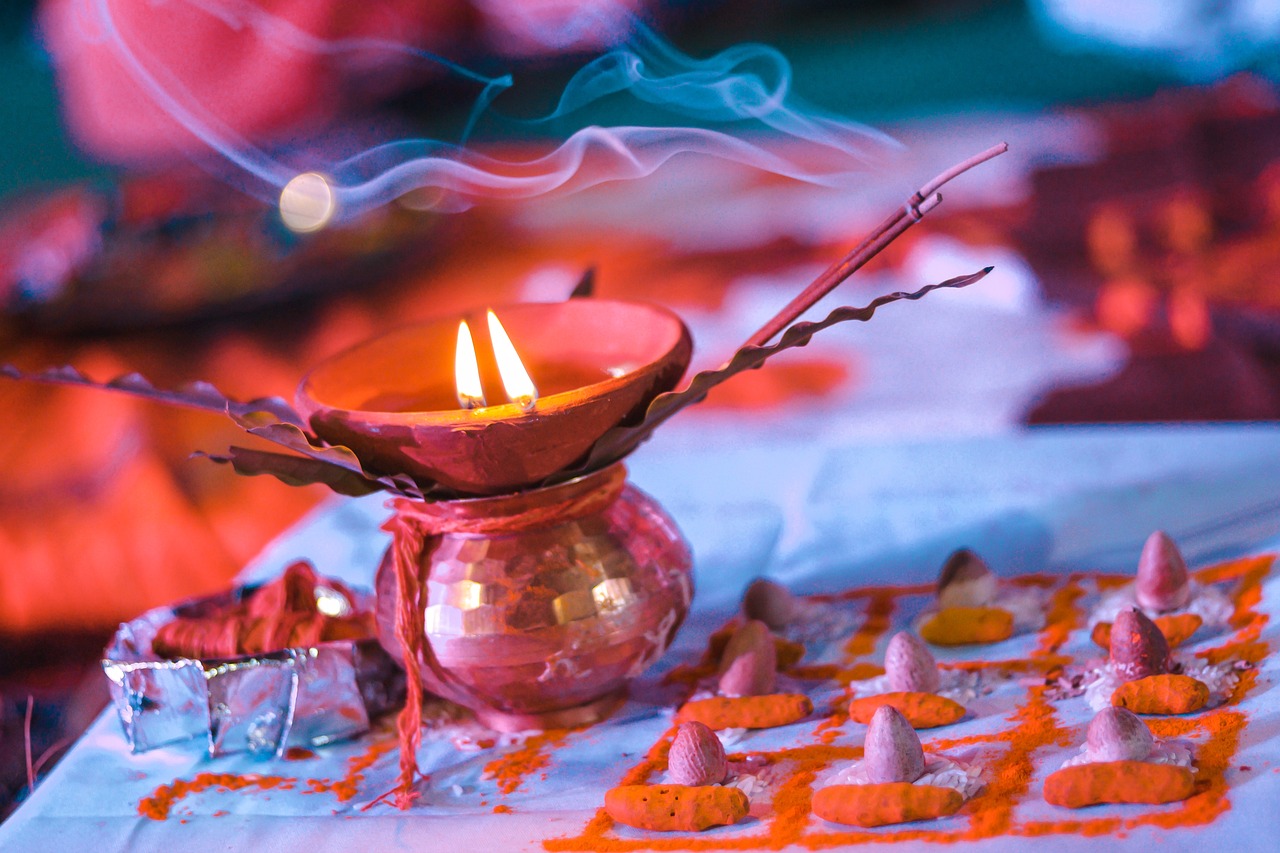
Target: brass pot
{"points": [[540, 606]]}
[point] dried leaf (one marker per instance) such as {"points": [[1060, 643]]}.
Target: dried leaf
{"points": [[295, 470], [620, 441], [270, 418], [265, 426], [197, 395]]}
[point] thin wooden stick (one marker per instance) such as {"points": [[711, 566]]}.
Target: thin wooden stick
{"points": [[26, 739], [59, 745], [924, 200]]}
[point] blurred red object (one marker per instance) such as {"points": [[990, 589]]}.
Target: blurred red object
{"points": [[262, 70], [253, 68], [94, 525]]}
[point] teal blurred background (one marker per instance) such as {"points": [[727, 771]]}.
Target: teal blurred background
{"points": [[875, 62]]}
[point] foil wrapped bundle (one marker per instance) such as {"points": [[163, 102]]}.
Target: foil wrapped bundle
{"points": [[261, 701]]}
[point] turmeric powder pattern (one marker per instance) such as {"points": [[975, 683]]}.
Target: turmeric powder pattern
{"points": [[1017, 735]]}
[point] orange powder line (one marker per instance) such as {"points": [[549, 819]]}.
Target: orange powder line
{"points": [[793, 802], [877, 618], [834, 672], [879, 615], [165, 797], [1245, 570], [1064, 617]]}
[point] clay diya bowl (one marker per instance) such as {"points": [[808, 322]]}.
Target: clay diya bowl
{"points": [[597, 364]]}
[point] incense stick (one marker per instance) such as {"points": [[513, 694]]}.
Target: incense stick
{"points": [[924, 200]]}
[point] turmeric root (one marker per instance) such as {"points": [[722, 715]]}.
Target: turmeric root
{"points": [[747, 712], [965, 626], [885, 803], [922, 710], [1162, 694], [675, 808], [1118, 782]]}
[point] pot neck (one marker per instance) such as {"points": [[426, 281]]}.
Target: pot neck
{"points": [[556, 504]]}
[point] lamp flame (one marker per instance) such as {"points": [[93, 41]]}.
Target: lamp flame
{"points": [[515, 379], [466, 371]]}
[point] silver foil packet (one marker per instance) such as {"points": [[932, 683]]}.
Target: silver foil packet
{"points": [[262, 704]]}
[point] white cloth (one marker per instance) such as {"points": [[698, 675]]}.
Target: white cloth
{"points": [[1045, 500]]}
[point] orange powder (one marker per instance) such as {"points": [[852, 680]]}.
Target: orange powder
{"points": [[688, 674], [164, 798], [346, 788], [1063, 617], [1106, 583], [842, 675], [510, 770]]}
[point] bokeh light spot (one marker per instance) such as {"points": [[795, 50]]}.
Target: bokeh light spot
{"points": [[307, 203]]}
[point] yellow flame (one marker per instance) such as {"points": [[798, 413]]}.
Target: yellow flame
{"points": [[466, 371], [515, 379], [307, 202]]}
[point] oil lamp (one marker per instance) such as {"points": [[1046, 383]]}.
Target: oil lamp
{"points": [[412, 401]]}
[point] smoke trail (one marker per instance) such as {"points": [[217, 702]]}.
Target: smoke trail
{"points": [[745, 89], [173, 97]]}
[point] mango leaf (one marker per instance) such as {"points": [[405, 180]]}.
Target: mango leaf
{"points": [[620, 441], [196, 395], [294, 470]]}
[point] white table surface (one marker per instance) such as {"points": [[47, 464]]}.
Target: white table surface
{"points": [[815, 514]]}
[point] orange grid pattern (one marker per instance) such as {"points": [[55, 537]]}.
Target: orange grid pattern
{"points": [[1008, 756]]}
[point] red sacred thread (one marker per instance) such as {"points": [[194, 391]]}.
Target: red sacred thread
{"points": [[407, 544], [280, 614], [414, 528]]}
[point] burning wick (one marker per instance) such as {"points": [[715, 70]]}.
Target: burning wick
{"points": [[307, 203], [515, 379], [466, 371]]}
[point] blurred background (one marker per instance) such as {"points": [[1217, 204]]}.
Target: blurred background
{"points": [[1134, 225]]}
